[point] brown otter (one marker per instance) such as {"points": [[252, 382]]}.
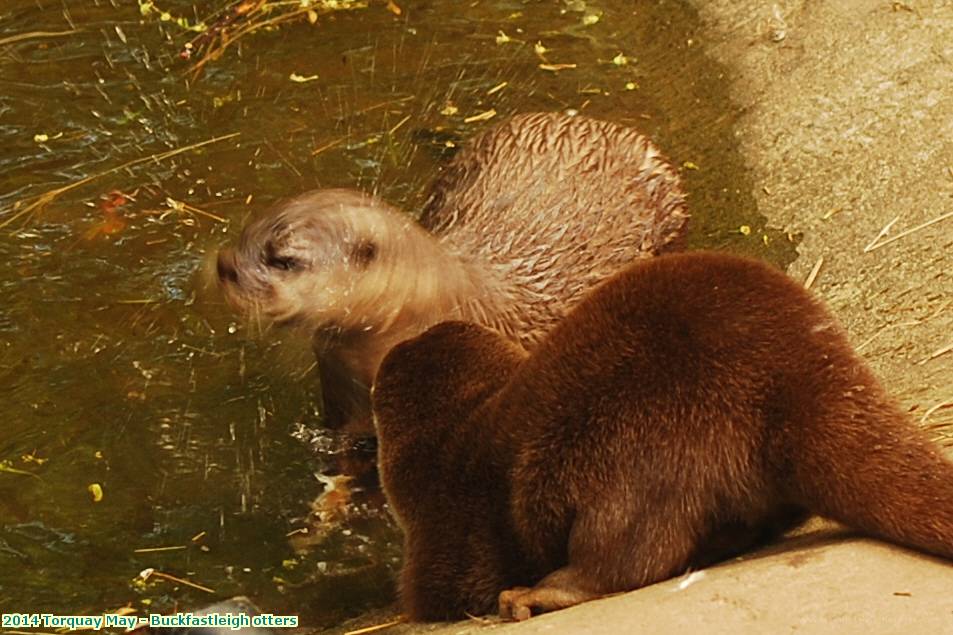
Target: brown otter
{"points": [[527, 218], [691, 405]]}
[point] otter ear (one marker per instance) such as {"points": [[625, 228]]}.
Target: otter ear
{"points": [[363, 253]]}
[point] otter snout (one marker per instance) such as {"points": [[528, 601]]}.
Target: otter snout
{"points": [[225, 267]]}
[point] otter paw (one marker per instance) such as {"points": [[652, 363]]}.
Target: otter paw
{"points": [[520, 603], [512, 606]]}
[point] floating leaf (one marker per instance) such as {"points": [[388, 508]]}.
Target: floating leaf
{"points": [[96, 491], [33, 458], [113, 220]]}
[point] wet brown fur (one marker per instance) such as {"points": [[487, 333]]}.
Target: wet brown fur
{"points": [[530, 215], [689, 407]]}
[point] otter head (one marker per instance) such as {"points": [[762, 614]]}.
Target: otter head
{"points": [[323, 258]]}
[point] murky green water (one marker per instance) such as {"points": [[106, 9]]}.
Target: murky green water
{"points": [[116, 373]]}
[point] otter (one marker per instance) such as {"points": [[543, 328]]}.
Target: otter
{"points": [[692, 406], [522, 222]]}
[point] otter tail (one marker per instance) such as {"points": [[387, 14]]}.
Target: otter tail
{"points": [[863, 463]]}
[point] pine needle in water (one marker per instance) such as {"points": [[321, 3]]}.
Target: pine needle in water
{"points": [[39, 202]]}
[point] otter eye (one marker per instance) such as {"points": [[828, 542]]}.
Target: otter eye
{"points": [[277, 261], [285, 263], [364, 253]]}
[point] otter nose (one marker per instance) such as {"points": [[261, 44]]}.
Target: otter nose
{"points": [[225, 266]]}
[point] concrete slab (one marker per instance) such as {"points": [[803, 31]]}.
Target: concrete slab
{"points": [[820, 583]]}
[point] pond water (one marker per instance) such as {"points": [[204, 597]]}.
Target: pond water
{"points": [[122, 381]]}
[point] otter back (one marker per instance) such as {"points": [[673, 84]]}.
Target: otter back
{"points": [[555, 204], [688, 408]]}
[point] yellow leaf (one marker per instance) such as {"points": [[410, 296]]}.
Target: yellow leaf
{"points": [[33, 458], [96, 491]]}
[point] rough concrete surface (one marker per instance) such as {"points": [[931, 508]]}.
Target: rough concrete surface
{"points": [[847, 126], [816, 583]]}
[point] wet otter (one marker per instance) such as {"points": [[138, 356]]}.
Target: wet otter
{"points": [[527, 218], [690, 406]]}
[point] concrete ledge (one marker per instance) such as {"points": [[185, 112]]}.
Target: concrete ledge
{"points": [[827, 581]]}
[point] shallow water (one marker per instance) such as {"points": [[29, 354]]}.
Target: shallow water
{"points": [[117, 371]]}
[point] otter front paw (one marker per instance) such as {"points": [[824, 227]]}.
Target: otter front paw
{"points": [[521, 603], [513, 606], [559, 590]]}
